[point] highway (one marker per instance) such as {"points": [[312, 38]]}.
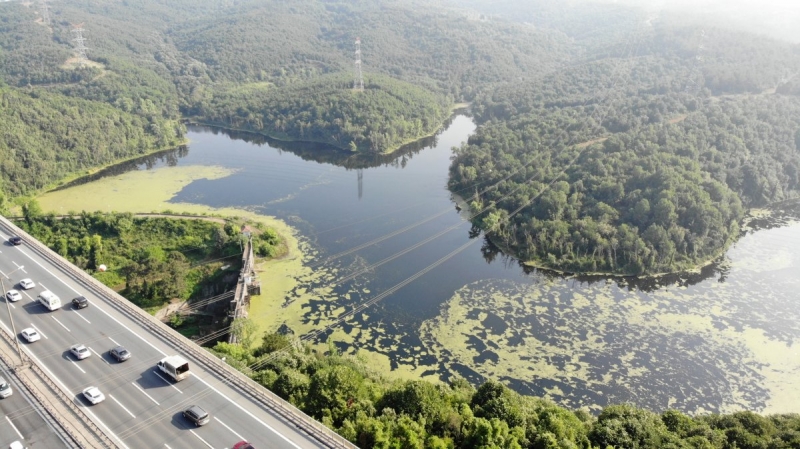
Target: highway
{"points": [[142, 408], [21, 421]]}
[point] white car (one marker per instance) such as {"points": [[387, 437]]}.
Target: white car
{"points": [[26, 284], [30, 335], [16, 445], [93, 395], [13, 295], [79, 351]]}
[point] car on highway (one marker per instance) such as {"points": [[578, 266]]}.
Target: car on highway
{"points": [[15, 240], [197, 415], [120, 353], [13, 295], [93, 395], [16, 445], [79, 351], [5, 389], [26, 284], [243, 445], [30, 335], [80, 302]]}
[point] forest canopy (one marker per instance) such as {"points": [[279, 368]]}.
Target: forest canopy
{"points": [[652, 176], [385, 115]]}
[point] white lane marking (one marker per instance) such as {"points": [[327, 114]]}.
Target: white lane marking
{"points": [[84, 319], [232, 431], [67, 390], [29, 296], [76, 366], [112, 340], [15, 428], [168, 382], [198, 437], [12, 305], [123, 407], [145, 393], [99, 356], [248, 413], [167, 446], [236, 404], [20, 267], [59, 322], [64, 387], [40, 332]]}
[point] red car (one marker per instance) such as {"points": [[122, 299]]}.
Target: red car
{"points": [[243, 445]]}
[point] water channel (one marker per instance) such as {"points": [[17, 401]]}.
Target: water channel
{"points": [[722, 339]]}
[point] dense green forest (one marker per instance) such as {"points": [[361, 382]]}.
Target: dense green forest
{"points": [[651, 176], [386, 115], [374, 412], [59, 118], [608, 140], [151, 260], [150, 64]]}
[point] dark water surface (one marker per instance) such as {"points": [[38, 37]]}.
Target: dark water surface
{"points": [[721, 339]]}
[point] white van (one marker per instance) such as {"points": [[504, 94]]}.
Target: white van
{"points": [[5, 388], [49, 300]]}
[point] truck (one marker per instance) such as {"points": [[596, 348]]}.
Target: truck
{"points": [[49, 300], [175, 367]]}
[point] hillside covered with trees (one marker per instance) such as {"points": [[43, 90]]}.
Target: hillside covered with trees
{"points": [[609, 140], [652, 176], [386, 115]]}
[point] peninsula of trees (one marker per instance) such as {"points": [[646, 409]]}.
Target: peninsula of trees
{"points": [[568, 174], [384, 116]]}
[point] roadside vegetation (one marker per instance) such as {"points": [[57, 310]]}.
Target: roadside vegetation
{"points": [[152, 260], [374, 412]]}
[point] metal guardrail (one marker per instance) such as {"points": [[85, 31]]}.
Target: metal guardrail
{"points": [[286, 411], [56, 418]]}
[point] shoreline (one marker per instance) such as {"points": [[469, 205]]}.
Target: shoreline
{"points": [[697, 268], [198, 121]]}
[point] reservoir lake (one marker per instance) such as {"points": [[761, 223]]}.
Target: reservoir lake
{"points": [[382, 235]]}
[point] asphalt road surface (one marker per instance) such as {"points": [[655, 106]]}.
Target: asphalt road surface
{"points": [[20, 420], [142, 407]]}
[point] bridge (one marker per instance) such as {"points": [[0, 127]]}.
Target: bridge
{"points": [[143, 409]]}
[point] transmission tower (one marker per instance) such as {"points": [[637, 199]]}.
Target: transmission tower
{"points": [[45, 13], [358, 79], [78, 30], [695, 81]]}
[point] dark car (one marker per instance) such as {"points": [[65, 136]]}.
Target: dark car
{"points": [[243, 445], [120, 353], [80, 302], [197, 415], [16, 240]]}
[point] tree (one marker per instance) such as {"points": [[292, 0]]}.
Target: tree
{"points": [[245, 330]]}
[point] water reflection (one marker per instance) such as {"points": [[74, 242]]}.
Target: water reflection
{"points": [[327, 154], [167, 157]]}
